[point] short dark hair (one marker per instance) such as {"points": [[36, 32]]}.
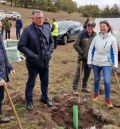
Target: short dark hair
{"points": [[108, 25]]}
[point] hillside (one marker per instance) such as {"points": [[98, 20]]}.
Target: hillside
{"points": [[62, 68]]}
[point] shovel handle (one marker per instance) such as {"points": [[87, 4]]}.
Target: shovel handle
{"points": [[117, 79], [13, 107]]}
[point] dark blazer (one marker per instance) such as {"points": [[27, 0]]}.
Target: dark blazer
{"points": [[29, 43], [5, 67], [19, 23]]}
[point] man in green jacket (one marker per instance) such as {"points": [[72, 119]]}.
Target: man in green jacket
{"points": [[82, 45], [7, 27]]}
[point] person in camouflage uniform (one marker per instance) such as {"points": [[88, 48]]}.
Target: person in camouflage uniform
{"points": [[82, 45], [7, 27]]}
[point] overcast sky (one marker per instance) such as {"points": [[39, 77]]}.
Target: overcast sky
{"points": [[101, 3]]}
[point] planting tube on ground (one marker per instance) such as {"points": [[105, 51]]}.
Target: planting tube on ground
{"points": [[75, 116]]}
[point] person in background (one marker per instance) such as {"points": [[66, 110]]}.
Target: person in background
{"points": [[19, 25], [55, 32], [5, 69], [37, 44], [47, 23], [7, 27], [103, 57], [85, 24], [2, 32], [81, 45]]}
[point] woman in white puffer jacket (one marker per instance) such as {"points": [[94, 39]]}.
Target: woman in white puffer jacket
{"points": [[103, 56]]}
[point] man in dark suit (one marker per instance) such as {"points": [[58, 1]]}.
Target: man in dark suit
{"points": [[37, 44]]}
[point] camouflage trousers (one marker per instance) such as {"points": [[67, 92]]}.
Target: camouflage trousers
{"points": [[86, 75]]}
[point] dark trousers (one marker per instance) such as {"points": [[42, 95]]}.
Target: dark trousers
{"points": [[7, 34], [44, 78], [55, 41], [18, 30], [86, 75], [119, 56], [1, 97]]}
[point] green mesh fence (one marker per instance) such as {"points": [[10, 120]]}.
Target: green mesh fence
{"points": [[13, 54], [11, 43]]}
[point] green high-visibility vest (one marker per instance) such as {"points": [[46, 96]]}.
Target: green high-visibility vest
{"points": [[55, 32]]}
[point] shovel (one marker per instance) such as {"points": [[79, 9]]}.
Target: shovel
{"points": [[14, 110], [81, 72], [117, 79], [75, 107]]}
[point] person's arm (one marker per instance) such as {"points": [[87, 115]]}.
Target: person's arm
{"points": [[9, 66], [21, 24], [77, 45], [22, 45], [53, 27], [114, 53], [91, 52], [51, 41]]}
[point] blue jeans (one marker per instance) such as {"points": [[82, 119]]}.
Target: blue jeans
{"points": [[44, 78], [107, 71]]}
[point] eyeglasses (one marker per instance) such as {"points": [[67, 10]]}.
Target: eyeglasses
{"points": [[39, 17]]}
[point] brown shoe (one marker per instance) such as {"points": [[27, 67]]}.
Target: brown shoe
{"points": [[86, 90], [95, 97], [109, 103]]}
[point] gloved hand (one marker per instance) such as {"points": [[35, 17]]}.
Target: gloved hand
{"points": [[90, 66], [83, 57], [114, 69]]}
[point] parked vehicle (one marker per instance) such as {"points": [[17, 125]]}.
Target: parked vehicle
{"points": [[12, 15], [2, 15], [2, 11], [3, 2], [68, 30]]}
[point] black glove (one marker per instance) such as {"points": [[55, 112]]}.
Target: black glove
{"points": [[83, 58]]}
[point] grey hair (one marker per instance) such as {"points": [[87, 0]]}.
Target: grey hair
{"points": [[36, 11]]}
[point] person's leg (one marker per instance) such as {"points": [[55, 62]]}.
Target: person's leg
{"points": [[76, 77], [44, 77], [17, 33], [86, 75], [32, 74], [8, 34], [1, 98], [55, 41], [107, 71], [97, 71]]}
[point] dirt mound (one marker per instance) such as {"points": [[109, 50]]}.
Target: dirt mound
{"points": [[62, 112]]}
